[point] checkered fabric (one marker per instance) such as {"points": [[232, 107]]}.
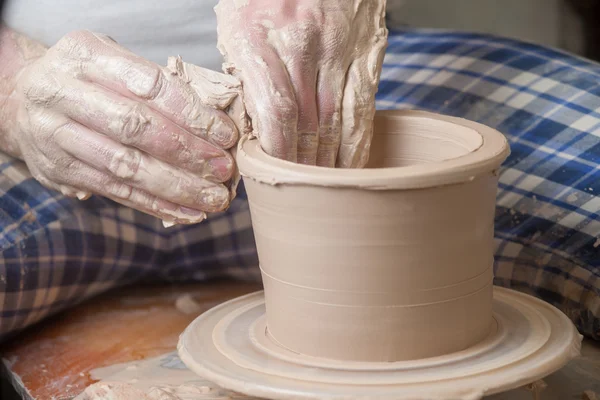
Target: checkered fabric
{"points": [[56, 251], [547, 103]]}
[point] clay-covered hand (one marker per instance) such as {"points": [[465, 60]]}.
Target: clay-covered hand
{"points": [[310, 70], [92, 117]]}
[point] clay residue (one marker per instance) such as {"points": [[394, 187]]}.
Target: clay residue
{"points": [[160, 378], [113, 391], [572, 198], [536, 388], [127, 391], [187, 305], [214, 89]]}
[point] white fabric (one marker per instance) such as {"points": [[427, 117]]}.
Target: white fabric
{"points": [[151, 28]]}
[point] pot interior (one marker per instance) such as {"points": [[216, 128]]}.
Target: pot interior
{"points": [[405, 141]]}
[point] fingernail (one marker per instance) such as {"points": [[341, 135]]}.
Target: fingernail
{"points": [[66, 191], [222, 168], [168, 224], [215, 197], [191, 212], [83, 195], [223, 136]]}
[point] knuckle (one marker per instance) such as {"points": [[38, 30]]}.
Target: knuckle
{"points": [[42, 89], [286, 110], [65, 165], [180, 186], [333, 44], [131, 123], [125, 163], [63, 135], [146, 81], [79, 43], [52, 173], [329, 135], [308, 140], [119, 190], [81, 35], [180, 189]]}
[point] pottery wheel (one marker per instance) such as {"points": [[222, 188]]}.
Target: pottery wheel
{"points": [[231, 346]]}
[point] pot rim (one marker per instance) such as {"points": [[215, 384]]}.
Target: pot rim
{"points": [[255, 164]]}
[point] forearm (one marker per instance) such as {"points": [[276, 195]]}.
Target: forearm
{"points": [[16, 52]]}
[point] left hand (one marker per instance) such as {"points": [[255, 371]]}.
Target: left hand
{"points": [[310, 70]]}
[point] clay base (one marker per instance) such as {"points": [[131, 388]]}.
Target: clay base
{"points": [[230, 346]]}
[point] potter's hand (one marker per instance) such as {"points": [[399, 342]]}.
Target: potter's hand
{"points": [[94, 118], [310, 70]]}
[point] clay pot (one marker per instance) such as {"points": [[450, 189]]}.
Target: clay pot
{"points": [[392, 262]]}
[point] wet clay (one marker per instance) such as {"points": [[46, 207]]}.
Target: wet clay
{"points": [[378, 282], [392, 262], [528, 339]]}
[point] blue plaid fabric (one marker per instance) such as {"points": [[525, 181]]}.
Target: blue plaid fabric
{"points": [[56, 251]]}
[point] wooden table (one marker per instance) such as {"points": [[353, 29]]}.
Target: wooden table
{"points": [[53, 360]]}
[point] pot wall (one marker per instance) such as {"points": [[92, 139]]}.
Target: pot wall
{"points": [[376, 275], [380, 272]]}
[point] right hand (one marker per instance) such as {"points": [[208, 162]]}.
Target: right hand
{"points": [[95, 118]]}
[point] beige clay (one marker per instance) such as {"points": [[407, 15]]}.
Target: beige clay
{"points": [[529, 340], [381, 264], [378, 282]]}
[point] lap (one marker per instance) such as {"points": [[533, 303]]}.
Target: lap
{"points": [[57, 251]]}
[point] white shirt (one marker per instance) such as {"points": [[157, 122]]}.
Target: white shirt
{"points": [[154, 29]]}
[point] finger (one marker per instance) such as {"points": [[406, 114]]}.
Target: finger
{"points": [[89, 179], [330, 93], [271, 103], [214, 89], [136, 125], [100, 60], [358, 105], [358, 111], [66, 190], [137, 170], [303, 78], [169, 213]]}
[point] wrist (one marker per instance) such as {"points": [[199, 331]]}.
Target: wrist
{"points": [[16, 53]]}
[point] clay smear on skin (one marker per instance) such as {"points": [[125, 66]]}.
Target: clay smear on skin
{"points": [[215, 90], [219, 91], [205, 93], [344, 73]]}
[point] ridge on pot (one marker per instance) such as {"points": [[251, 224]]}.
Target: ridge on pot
{"points": [[391, 262]]}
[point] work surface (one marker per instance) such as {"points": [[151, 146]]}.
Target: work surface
{"points": [[54, 360]]}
